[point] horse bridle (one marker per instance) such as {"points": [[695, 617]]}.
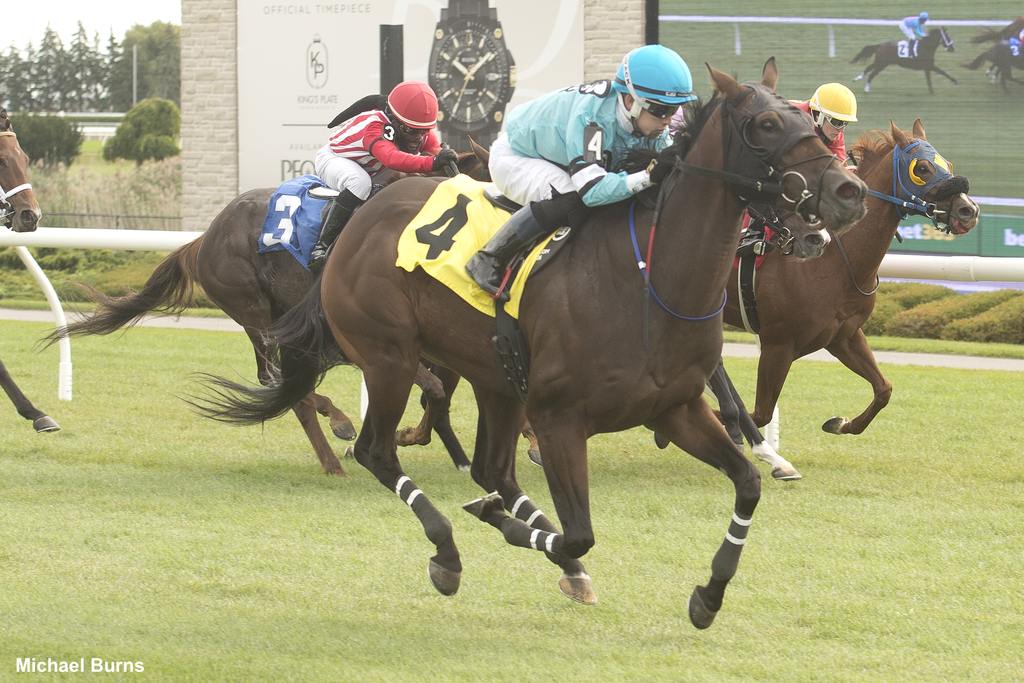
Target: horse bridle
{"points": [[6, 209], [764, 188], [907, 200], [766, 183]]}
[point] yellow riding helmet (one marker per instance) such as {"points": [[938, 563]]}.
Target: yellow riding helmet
{"points": [[835, 100]]}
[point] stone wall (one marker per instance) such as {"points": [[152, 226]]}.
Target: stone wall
{"points": [[209, 90]]}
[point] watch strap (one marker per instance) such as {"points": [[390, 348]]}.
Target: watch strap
{"points": [[468, 8]]}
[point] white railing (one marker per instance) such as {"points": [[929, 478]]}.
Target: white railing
{"points": [[829, 22], [960, 268]]}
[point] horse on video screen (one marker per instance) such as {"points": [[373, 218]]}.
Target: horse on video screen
{"points": [[1002, 57], [600, 360], [806, 305], [19, 211], [254, 289], [888, 54]]}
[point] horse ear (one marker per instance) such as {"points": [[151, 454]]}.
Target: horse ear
{"points": [[919, 130], [898, 136], [770, 74], [724, 83], [481, 153]]}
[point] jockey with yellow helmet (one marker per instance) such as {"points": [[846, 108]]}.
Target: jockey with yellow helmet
{"points": [[832, 107]]}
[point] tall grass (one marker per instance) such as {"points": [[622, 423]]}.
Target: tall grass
{"points": [[110, 195]]}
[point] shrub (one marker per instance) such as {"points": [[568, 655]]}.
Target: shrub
{"points": [[928, 319], [47, 139], [910, 294], [885, 311], [1002, 323], [148, 131]]}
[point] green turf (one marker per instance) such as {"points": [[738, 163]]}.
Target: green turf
{"points": [[975, 124], [141, 532]]}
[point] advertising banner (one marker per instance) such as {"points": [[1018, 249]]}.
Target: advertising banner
{"points": [[301, 63], [995, 235]]}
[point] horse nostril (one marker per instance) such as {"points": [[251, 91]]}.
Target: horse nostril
{"points": [[966, 212], [851, 190], [814, 240]]}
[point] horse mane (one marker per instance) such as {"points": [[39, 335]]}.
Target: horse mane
{"points": [[872, 147]]}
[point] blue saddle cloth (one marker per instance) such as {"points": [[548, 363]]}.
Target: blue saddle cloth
{"points": [[293, 219]]}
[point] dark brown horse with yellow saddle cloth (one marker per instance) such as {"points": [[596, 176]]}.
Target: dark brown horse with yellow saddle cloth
{"points": [[600, 360]]}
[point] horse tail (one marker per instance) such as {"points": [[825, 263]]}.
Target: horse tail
{"points": [[979, 60], [987, 35], [307, 351], [170, 289], [865, 52]]}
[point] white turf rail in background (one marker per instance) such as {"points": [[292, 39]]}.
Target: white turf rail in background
{"points": [[961, 268]]}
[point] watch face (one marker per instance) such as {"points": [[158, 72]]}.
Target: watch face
{"points": [[471, 72]]}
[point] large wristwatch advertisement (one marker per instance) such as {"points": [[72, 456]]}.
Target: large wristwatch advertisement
{"points": [[300, 64], [472, 71]]}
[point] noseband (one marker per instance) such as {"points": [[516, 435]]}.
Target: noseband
{"points": [[6, 209]]}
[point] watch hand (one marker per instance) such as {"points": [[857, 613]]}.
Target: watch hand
{"points": [[458, 65], [476, 67]]}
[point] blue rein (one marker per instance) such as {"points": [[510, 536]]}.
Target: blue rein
{"points": [[649, 286]]}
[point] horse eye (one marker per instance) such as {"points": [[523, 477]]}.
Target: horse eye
{"points": [[768, 125]]}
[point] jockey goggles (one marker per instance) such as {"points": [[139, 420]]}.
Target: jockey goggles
{"points": [[659, 110]]}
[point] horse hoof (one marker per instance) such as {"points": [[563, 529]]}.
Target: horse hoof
{"points": [[835, 425], [345, 431], [661, 441], [445, 580], [481, 508], [410, 436], [45, 424], [701, 615], [335, 471], [463, 468], [786, 474], [535, 457], [349, 453], [578, 588]]}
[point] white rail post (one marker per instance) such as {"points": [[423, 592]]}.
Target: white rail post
{"points": [[64, 368], [736, 40], [831, 41]]}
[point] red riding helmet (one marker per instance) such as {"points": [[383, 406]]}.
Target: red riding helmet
{"points": [[414, 104]]}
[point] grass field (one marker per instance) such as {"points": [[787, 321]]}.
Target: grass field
{"points": [[141, 532], [974, 124]]}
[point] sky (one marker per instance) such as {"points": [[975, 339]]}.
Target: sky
{"points": [[27, 20]]}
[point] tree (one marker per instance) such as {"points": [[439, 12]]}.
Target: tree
{"points": [[51, 72], [159, 65], [48, 139], [149, 131], [84, 83], [16, 81]]}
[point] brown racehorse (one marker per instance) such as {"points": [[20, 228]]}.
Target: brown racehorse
{"points": [[1002, 61], [584, 322], [808, 305], [19, 211], [254, 289], [887, 54]]}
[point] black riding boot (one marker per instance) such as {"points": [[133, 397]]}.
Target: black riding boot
{"points": [[338, 213], [488, 265]]}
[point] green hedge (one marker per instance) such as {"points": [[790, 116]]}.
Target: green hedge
{"points": [[927, 320], [1002, 323]]}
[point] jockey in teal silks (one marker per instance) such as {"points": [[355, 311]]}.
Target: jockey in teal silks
{"points": [[557, 152], [913, 26]]}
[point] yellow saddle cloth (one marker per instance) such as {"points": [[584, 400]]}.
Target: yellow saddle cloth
{"points": [[453, 225]]}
